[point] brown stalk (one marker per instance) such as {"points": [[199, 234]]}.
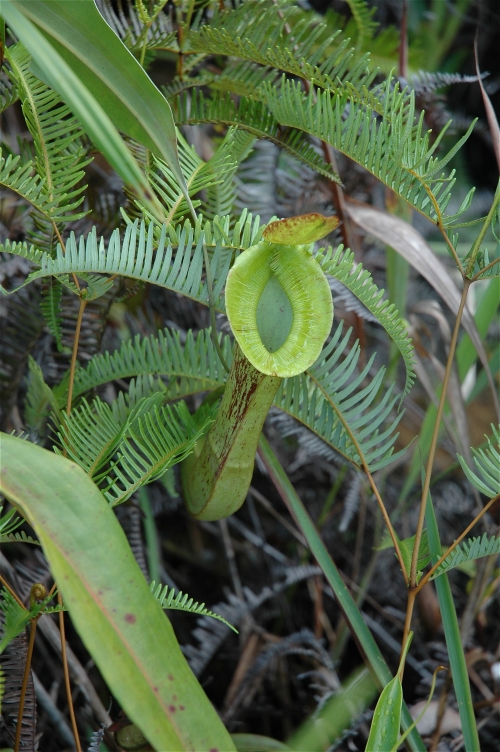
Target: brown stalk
{"points": [[435, 434], [67, 683], [38, 592], [412, 586]]}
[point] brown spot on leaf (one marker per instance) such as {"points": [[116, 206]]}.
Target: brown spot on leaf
{"points": [[172, 708], [130, 618]]}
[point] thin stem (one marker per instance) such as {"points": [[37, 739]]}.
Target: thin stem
{"points": [[482, 271], [450, 245], [74, 354], [371, 481], [475, 248], [66, 676], [61, 242], [24, 686], [13, 594], [435, 435], [412, 594], [476, 519]]}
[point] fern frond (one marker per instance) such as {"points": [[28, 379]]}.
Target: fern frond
{"points": [[200, 175], [328, 400], [170, 599], [363, 15], [340, 265], [140, 255], [469, 550], [243, 78], [393, 148], [254, 117], [18, 538], [487, 462], [91, 434], [158, 440], [190, 367], [96, 739], [256, 32], [139, 442], [16, 618], [424, 82], [9, 522], [221, 196], [59, 156]]}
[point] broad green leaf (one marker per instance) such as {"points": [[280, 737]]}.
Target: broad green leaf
{"points": [[78, 55], [121, 624]]}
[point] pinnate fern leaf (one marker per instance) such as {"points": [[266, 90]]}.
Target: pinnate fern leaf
{"points": [[50, 305], [17, 618], [393, 148], [487, 461], [18, 177], [127, 445], [254, 117], [170, 599], [340, 264], [257, 32], [8, 91], [189, 367], [469, 550], [59, 154], [144, 255], [328, 400]]}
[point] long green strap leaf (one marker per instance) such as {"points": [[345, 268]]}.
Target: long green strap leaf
{"points": [[121, 624], [359, 630], [458, 663]]}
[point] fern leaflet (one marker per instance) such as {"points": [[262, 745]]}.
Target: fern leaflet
{"points": [[59, 156], [190, 368], [340, 264], [469, 550], [255, 118], [129, 444], [143, 256], [169, 599], [487, 462], [393, 148], [326, 399]]}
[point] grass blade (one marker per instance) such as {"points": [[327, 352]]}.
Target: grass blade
{"points": [[453, 640], [360, 632]]}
